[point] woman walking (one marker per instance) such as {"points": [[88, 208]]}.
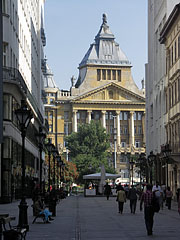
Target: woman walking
{"points": [[168, 197], [121, 198]]}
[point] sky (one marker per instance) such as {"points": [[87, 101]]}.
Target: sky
{"points": [[71, 26]]}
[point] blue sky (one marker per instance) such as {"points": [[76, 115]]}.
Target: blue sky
{"points": [[71, 26]]}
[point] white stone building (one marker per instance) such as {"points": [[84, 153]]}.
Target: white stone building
{"points": [[23, 66]]}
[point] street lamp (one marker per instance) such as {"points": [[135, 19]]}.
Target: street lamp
{"points": [[49, 147], [151, 158], [24, 117], [61, 163], [132, 169], [58, 158], [55, 154], [165, 149], [41, 136], [115, 140], [141, 162]]}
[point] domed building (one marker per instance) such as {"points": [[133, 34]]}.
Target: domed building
{"points": [[105, 91]]}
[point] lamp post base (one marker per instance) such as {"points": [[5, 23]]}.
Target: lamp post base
{"points": [[23, 219]]}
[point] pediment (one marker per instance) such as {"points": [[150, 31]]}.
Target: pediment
{"points": [[110, 93]]}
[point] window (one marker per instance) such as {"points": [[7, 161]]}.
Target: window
{"points": [[175, 50], [123, 144], [98, 74], [119, 75], [125, 115], [135, 116], [139, 129], [139, 116], [7, 100], [51, 115], [5, 48], [114, 74], [78, 115], [137, 144], [109, 74], [66, 116], [104, 74], [51, 128], [179, 47], [135, 130], [4, 6], [110, 94], [51, 100], [125, 130]]}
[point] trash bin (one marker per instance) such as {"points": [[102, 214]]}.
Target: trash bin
{"points": [[11, 235]]}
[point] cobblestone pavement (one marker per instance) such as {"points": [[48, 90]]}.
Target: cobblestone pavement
{"points": [[95, 218]]}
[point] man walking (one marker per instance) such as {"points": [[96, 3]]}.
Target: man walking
{"points": [[147, 198], [132, 195]]}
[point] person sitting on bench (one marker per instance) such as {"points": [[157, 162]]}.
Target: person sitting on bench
{"points": [[39, 209]]}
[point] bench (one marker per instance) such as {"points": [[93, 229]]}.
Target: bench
{"points": [[12, 232], [40, 215]]}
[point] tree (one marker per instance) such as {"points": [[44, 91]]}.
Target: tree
{"points": [[89, 148]]}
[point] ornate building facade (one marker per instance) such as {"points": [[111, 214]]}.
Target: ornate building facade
{"points": [[170, 37], [104, 91]]}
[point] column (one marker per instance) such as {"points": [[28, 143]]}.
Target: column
{"points": [[89, 116], [118, 128], [131, 128], [74, 120], [103, 118]]}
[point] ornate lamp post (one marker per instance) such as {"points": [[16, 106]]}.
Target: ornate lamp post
{"points": [[61, 163], [151, 158], [24, 117], [49, 147], [58, 158], [115, 141], [165, 149], [41, 136], [132, 169], [55, 154]]}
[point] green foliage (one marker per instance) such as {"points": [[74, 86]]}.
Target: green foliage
{"points": [[88, 148]]}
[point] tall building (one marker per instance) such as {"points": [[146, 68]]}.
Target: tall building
{"points": [[23, 67], [157, 102], [104, 91]]}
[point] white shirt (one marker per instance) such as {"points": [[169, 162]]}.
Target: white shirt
{"points": [[157, 190]]}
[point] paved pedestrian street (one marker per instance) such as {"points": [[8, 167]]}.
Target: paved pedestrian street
{"points": [[95, 218]]}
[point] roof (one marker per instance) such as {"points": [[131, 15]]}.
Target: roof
{"points": [[167, 26], [98, 176], [105, 50]]}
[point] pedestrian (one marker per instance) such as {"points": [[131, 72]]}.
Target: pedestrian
{"points": [[157, 192], [169, 195], [177, 194], [132, 195], [147, 198], [40, 209], [121, 198], [107, 190]]}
